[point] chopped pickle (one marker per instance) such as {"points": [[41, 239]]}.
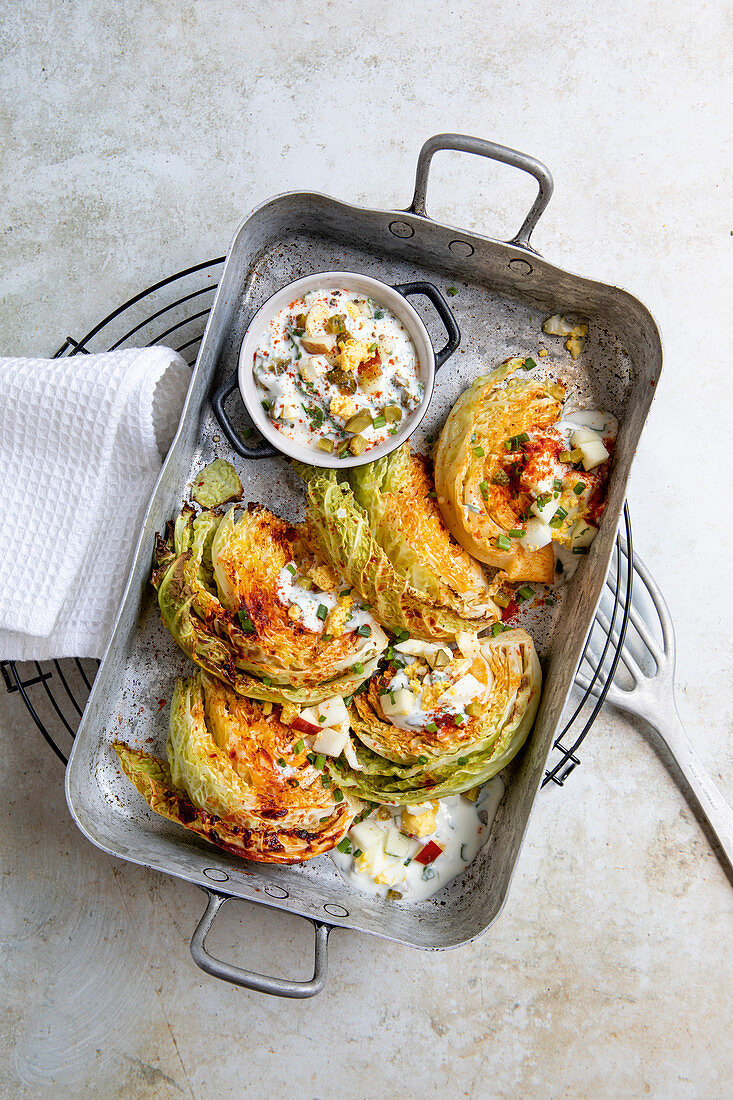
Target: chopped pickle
{"points": [[336, 323], [576, 455], [357, 445], [304, 582], [474, 709], [502, 600], [359, 422], [325, 444], [392, 414], [277, 366], [564, 456], [500, 478], [441, 659], [300, 320], [341, 378], [473, 794]]}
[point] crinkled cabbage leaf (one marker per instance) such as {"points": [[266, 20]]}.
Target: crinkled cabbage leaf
{"points": [[239, 778], [405, 766], [396, 493], [216, 484], [218, 592], [474, 479], [338, 528]]}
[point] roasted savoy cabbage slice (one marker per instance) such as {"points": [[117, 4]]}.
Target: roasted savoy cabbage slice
{"points": [[338, 528], [220, 593], [430, 760], [240, 778], [396, 494]]}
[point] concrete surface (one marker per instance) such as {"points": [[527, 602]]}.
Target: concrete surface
{"points": [[134, 137]]}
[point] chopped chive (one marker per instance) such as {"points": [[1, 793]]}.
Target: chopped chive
{"points": [[282, 763], [357, 852], [266, 681], [379, 422], [323, 819], [310, 757], [580, 549], [462, 760], [391, 697], [578, 488], [496, 629], [364, 630], [526, 593], [518, 532], [484, 487], [452, 291], [344, 846], [338, 794], [459, 719], [503, 542], [358, 668], [293, 782], [325, 780], [299, 746], [423, 759], [529, 363], [508, 444], [558, 518], [431, 728], [265, 405], [326, 637], [378, 314], [320, 762], [479, 452], [523, 438], [557, 483], [322, 611], [244, 621], [402, 635], [292, 570], [345, 592]]}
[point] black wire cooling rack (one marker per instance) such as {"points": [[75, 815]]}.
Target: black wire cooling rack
{"points": [[174, 312]]}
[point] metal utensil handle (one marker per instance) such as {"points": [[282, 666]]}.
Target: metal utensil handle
{"points": [[250, 979], [462, 143], [444, 312], [715, 808], [219, 397]]}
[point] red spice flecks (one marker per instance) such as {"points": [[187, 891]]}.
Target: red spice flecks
{"points": [[510, 610], [161, 703]]}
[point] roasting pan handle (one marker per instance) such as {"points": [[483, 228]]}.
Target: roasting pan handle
{"points": [[218, 401], [260, 983], [482, 148]]}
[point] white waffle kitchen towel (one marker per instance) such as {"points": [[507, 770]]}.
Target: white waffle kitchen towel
{"points": [[81, 446]]}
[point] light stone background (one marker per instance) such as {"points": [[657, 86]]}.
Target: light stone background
{"points": [[134, 138]]}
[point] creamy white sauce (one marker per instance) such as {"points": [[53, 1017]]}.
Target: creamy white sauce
{"points": [[294, 385], [310, 600], [461, 829]]}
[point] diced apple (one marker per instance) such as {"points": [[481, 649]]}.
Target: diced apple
{"points": [[399, 845], [404, 702], [545, 511], [330, 742], [334, 712], [538, 535], [582, 535], [594, 453], [583, 435], [302, 725], [462, 692], [366, 835]]}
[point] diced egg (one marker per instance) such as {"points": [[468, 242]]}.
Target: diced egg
{"points": [[539, 534]]}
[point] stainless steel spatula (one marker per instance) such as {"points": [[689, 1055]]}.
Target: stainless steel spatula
{"points": [[645, 688]]}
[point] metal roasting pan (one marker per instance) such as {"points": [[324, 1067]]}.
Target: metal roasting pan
{"points": [[504, 292]]}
